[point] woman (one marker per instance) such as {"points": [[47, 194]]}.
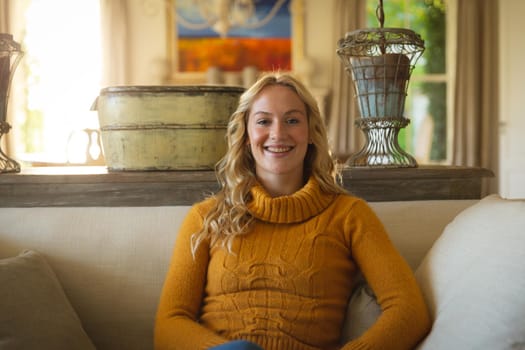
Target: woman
{"points": [[270, 261]]}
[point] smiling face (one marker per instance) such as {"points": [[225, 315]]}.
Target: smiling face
{"points": [[278, 136]]}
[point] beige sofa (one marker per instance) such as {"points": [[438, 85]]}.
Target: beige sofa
{"points": [[111, 261]]}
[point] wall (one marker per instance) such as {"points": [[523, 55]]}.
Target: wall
{"points": [[512, 121], [148, 52]]}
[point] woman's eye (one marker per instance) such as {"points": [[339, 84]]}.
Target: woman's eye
{"points": [[292, 121], [262, 122]]}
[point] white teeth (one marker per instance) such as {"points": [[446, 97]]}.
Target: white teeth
{"points": [[278, 149]]}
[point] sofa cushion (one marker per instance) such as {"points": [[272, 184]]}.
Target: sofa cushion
{"points": [[34, 310], [362, 312], [473, 279]]}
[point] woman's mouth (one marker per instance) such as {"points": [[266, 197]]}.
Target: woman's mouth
{"points": [[278, 149]]}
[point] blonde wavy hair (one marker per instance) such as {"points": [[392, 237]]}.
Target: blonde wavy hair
{"points": [[229, 216]]}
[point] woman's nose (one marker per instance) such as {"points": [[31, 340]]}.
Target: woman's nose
{"points": [[276, 132]]}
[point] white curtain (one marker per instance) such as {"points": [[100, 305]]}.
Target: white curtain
{"points": [[115, 42], [476, 91], [344, 136], [4, 16]]}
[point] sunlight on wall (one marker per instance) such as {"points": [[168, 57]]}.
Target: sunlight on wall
{"points": [[63, 64]]}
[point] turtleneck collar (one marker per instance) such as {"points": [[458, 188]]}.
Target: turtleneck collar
{"points": [[299, 206]]}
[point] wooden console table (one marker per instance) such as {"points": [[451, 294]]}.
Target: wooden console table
{"points": [[95, 186]]}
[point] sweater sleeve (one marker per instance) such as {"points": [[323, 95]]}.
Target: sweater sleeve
{"points": [[176, 325], [405, 319]]}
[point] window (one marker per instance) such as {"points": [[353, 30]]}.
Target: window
{"points": [[426, 136], [61, 72]]}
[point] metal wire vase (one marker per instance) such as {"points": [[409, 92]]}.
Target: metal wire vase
{"points": [[380, 62], [10, 55]]}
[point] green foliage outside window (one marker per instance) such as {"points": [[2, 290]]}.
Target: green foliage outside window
{"points": [[436, 63]]}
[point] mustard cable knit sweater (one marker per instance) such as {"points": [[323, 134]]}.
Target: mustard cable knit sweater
{"points": [[287, 285]]}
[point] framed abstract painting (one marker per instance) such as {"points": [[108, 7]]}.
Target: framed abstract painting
{"points": [[232, 36]]}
